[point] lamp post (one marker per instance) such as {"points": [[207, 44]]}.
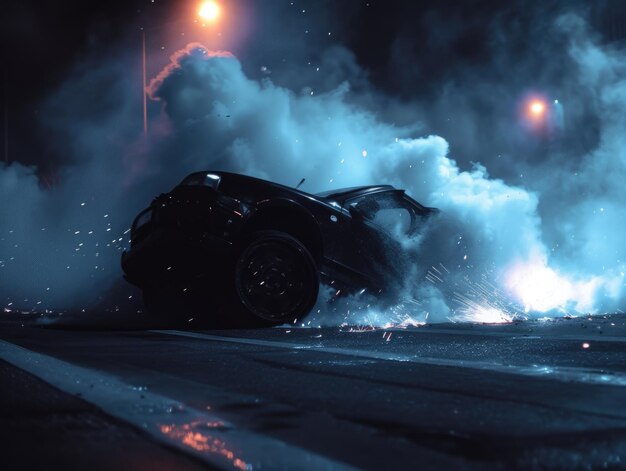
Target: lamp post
{"points": [[145, 93], [6, 117]]}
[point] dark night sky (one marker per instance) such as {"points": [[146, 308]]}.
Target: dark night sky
{"points": [[438, 41], [430, 95]]}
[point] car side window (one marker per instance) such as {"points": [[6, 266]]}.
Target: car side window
{"points": [[390, 212]]}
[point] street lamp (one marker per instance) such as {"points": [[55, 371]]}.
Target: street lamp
{"points": [[207, 11], [145, 92], [537, 108]]}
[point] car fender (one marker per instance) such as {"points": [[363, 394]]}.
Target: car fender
{"points": [[285, 215]]}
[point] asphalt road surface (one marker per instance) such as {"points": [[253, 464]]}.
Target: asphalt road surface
{"points": [[529, 395]]}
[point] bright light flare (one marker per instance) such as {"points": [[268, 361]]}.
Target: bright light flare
{"points": [[536, 111], [538, 287], [484, 315], [541, 289], [537, 108], [209, 11]]}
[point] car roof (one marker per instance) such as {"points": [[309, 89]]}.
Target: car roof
{"points": [[339, 194], [353, 192], [242, 177], [326, 197]]}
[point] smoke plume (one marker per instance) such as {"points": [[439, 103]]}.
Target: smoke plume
{"points": [[552, 242]]}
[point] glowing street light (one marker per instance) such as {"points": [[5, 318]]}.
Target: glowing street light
{"points": [[209, 10], [537, 108]]}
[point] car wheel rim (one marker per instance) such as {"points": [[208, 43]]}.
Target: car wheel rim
{"points": [[273, 280]]}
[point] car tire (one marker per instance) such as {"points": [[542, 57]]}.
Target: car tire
{"points": [[276, 278]]}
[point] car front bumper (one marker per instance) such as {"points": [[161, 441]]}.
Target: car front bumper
{"points": [[166, 255]]}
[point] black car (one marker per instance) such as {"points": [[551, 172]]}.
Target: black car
{"points": [[265, 246]]}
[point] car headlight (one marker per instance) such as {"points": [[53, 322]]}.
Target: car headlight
{"points": [[202, 179]]}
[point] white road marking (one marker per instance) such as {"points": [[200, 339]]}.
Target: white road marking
{"points": [[593, 337], [559, 373], [193, 431]]}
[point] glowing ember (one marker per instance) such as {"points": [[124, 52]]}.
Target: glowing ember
{"points": [[191, 436], [404, 323], [481, 301]]}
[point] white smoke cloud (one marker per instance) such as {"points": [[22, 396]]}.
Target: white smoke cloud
{"points": [[261, 129], [491, 253], [583, 203]]}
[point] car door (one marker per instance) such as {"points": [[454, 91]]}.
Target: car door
{"points": [[378, 224]]}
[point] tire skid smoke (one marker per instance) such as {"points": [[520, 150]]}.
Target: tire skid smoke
{"points": [[492, 255]]}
